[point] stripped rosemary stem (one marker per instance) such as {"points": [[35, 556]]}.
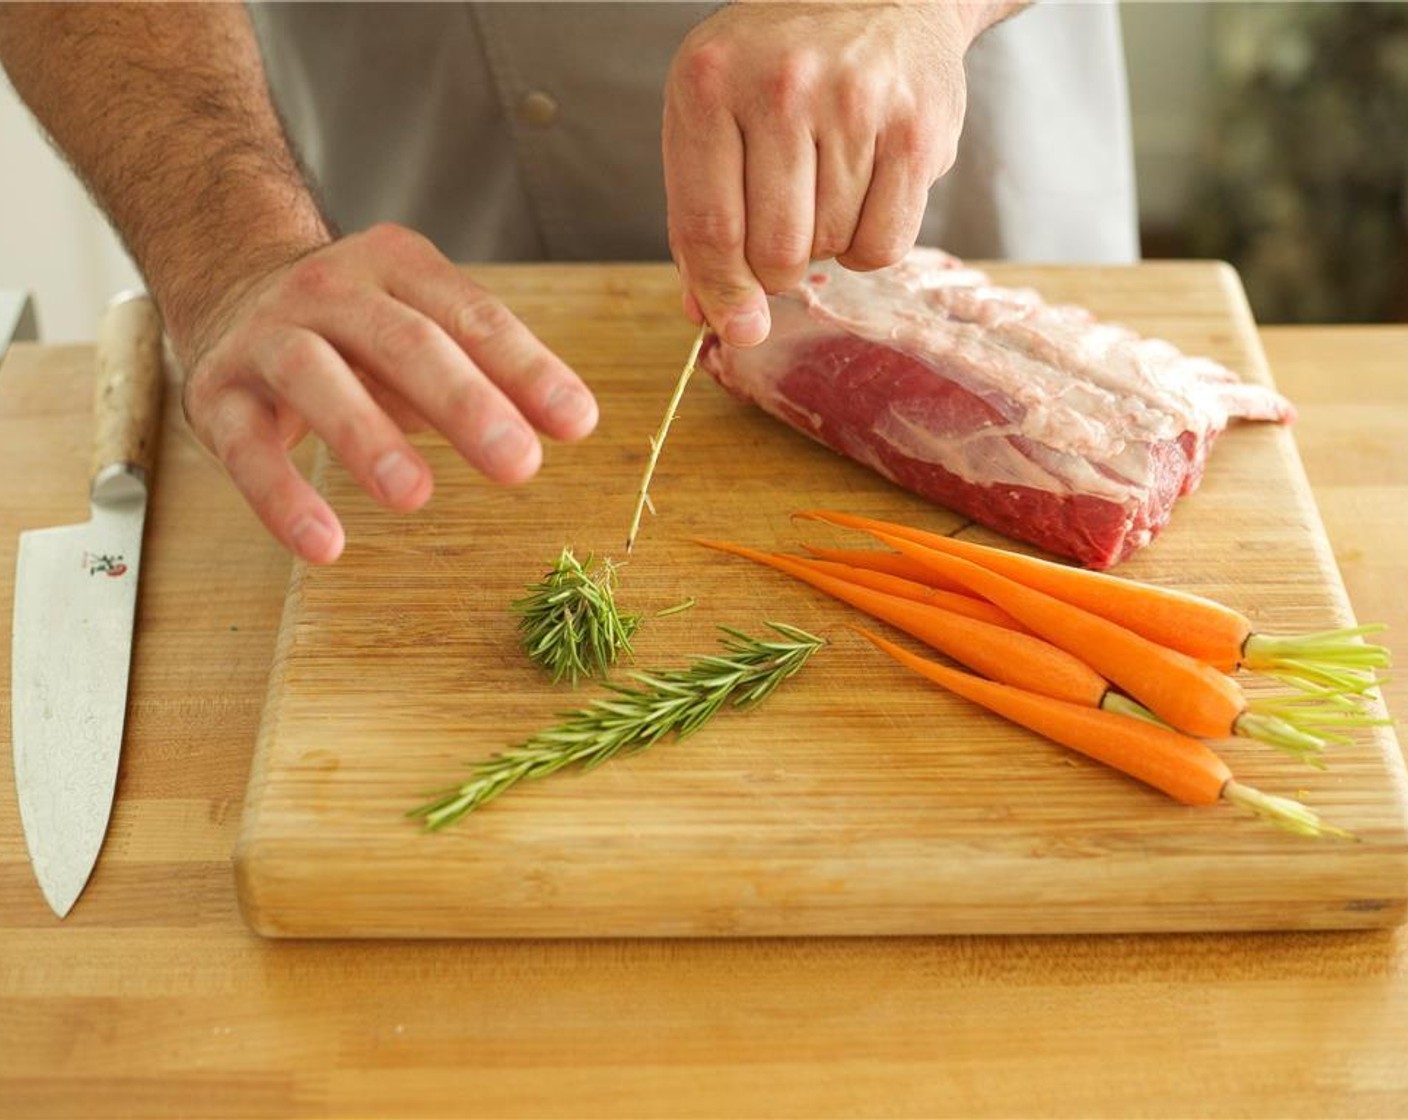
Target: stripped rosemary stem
{"points": [[657, 441], [677, 701], [569, 622]]}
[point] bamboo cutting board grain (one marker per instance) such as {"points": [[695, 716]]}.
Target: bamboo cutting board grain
{"points": [[858, 799]]}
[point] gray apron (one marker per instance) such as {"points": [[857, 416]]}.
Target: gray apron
{"points": [[532, 131]]}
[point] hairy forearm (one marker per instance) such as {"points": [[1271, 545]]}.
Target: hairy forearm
{"points": [[163, 112]]}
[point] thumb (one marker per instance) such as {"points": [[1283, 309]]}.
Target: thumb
{"points": [[735, 307]]}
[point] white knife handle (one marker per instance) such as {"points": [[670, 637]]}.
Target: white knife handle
{"points": [[127, 395]]}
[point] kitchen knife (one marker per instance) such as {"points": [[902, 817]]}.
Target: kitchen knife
{"points": [[75, 598]]}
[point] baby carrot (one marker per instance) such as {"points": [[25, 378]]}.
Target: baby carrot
{"points": [[1016, 657], [969, 605], [1191, 624], [1186, 693], [1189, 695], [1184, 768], [1198, 627], [875, 560]]}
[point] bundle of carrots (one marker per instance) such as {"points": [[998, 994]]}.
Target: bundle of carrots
{"points": [[1133, 675]]}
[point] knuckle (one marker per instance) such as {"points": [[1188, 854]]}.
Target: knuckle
{"points": [[231, 440], [870, 253], [830, 240], [540, 375], [406, 338], [721, 299], [780, 254], [718, 230], [777, 281], [346, 433], [781, 246], [941, 157], [703, 69], [393, 239], [857, 98], [315, 278], [289, 357], [463, 404], [909, 142], [237, 452], [480, 317], [789, 87]]}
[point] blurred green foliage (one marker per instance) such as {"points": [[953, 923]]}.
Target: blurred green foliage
{"points": [[1304, 180]]}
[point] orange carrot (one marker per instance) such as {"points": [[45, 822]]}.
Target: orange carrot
{"points": [[875, 560], [969, 605], [1186, 693], [1191, 624], [1006, 655], [1184, 768]]}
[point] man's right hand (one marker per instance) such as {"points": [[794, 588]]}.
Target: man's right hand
{"points": [[361, 341]]}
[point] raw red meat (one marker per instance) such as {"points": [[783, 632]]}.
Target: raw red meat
{"points": [[1036, 420]]}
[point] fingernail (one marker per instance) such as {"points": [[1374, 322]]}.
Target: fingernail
{"points": [[396, 475], [311, 537], [747, 329], [568, 405], [505, 446]]}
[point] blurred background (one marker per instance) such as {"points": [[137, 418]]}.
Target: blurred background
{"points": [[1271, 135], [1275, 136]]}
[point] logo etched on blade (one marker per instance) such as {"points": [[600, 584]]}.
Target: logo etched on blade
{"points": [[108, 564]]}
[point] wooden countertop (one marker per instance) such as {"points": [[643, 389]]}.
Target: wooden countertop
{"points": [[153, 998]]}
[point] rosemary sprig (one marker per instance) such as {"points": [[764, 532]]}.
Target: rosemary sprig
{"points": [[677, 701], [569, 622], [657, 441]]}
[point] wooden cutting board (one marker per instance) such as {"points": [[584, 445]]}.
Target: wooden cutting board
{"points": [[858, 799]]}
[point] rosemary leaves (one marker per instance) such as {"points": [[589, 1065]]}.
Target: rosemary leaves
{"points": [[569, 623], [677, 701]]}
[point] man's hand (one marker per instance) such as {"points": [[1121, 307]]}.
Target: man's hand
{"points": [[163, 110], [804, 132], [361, 341]]}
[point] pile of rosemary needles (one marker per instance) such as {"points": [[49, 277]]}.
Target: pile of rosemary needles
{"points": [[569, 622]]}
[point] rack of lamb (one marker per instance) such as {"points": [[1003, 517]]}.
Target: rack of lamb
{"points": [[1034, 419]]}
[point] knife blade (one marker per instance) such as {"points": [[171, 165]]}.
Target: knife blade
{"points": [[75, 602]]}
